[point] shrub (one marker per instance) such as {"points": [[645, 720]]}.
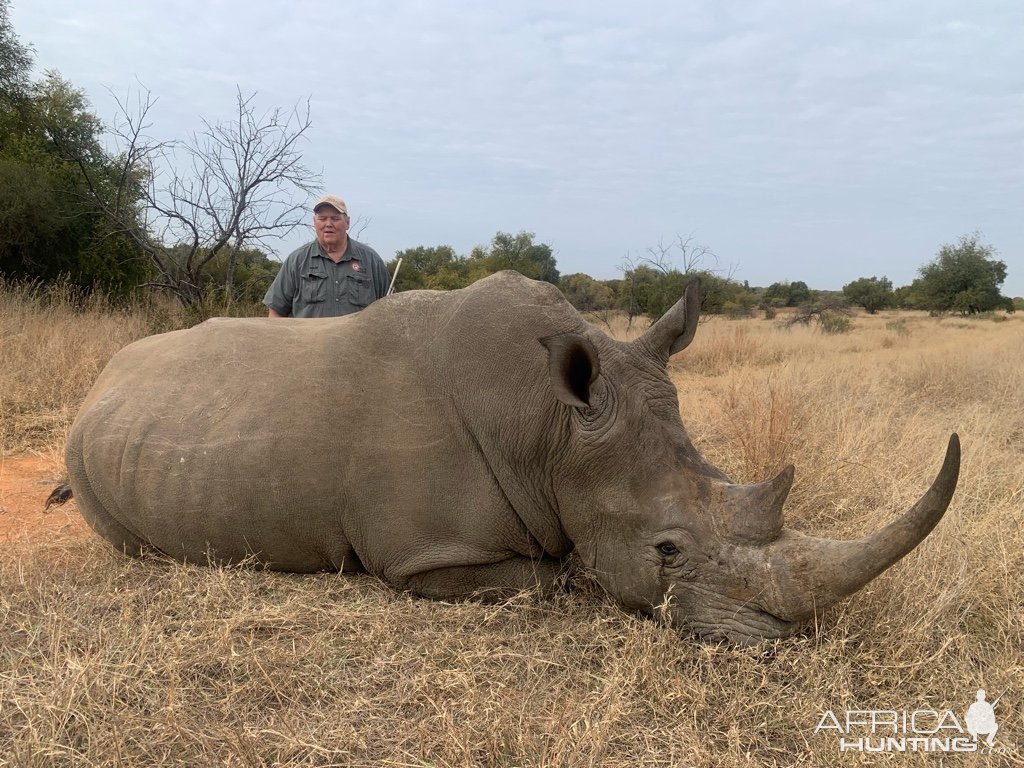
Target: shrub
{"points": [[899, 327], [995, 317], [738, 312], [832, 322]]}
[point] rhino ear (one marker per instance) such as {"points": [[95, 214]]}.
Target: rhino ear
{"points": [[674, 331], [573, 366]]}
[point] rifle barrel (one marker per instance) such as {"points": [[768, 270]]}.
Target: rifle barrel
{"points": [[391, 288]]}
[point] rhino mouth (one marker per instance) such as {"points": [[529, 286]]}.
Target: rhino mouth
{"points": [[745, 626]]}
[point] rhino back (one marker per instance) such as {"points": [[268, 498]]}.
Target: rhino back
{"points": [[314, 444]]}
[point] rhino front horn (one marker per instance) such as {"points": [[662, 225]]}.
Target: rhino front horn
{"points": [[807, 574]]}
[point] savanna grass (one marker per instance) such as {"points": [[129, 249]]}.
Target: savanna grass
{"points": [[54, 341], [106, 660]]}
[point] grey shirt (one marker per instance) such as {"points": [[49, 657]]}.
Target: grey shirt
{"points": [[311, 285]]}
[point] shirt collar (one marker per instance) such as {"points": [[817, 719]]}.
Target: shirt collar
{"points": [[346, 256]]}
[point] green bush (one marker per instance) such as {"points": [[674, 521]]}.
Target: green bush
{"points": [[899, 327], [833, 322], [734, 311]]}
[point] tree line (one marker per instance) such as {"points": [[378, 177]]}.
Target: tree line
{"points": [[964, 277], [47, 228], [107, 207]]}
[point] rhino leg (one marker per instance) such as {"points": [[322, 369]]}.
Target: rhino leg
{"points": [[490, 582], [106, 525], [95, 512]]}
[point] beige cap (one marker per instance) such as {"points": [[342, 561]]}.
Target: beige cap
{"points": [[332, 200]]}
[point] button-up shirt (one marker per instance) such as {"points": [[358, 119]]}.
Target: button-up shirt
{"points": [[310, 284]]}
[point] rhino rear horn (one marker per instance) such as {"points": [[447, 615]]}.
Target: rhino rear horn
{"points": [[674, 330]]}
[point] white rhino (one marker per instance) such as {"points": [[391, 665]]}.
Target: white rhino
{"points": [[456, 444]]}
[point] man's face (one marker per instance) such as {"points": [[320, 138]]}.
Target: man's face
{"points": [[330, 226]]}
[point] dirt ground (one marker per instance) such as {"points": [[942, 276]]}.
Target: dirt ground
{"points": [[25, 482]]}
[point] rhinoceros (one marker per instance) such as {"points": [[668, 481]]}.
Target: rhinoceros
{"points": [[457, 444]]}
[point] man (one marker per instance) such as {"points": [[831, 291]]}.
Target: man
{"points": [[333, 275]]}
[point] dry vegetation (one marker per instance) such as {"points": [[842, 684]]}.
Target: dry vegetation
{"points": [[110, 661]]}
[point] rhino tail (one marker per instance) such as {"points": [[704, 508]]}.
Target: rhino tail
{"points": [[58, 496]]}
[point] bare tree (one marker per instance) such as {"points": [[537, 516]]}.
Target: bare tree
{"points": [[653, 282], [234, 184], [830, 312], [359, 225], [692, 256]]}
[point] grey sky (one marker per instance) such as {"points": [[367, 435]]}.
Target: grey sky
{"points": [[814, 141]]}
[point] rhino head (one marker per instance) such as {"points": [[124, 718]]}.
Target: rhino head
{"points": [[668, 534]]}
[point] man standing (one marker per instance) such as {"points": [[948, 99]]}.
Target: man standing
{"points": [[333, 275]]}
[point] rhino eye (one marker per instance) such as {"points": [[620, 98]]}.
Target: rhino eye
{"points": [[668, 549]]}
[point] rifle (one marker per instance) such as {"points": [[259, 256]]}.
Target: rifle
{"points": [[391, 288]]}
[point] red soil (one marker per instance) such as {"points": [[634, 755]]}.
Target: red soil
{"points": [[25, 482]]}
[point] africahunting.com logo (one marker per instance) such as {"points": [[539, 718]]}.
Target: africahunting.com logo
{"points": [[919, 730]]}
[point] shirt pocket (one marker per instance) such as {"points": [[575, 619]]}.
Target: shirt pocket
{"points": [[314, 287], [359, 290]]}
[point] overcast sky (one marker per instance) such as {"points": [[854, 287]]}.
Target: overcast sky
{"points": [[816, 141]]}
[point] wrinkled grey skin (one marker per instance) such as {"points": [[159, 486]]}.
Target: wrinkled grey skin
{"points": [[455, 444]]}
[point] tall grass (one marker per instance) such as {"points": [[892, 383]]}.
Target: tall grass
{"points": [[53, 343], [111, 661]]}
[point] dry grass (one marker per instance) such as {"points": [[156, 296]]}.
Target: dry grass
{"points": [[53, 344], [110, 661]]}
